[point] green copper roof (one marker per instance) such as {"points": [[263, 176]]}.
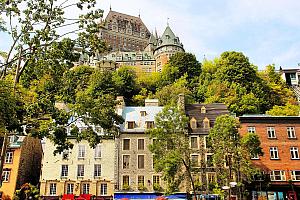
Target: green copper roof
{"points": [[169, 38]]}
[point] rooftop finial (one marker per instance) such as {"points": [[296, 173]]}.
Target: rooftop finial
{"points": [[110, 6], [168, 21], [139, 13]]}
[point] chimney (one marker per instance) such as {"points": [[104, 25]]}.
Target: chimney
{"points": [[120, 105], [151, 102], [181, 102]]}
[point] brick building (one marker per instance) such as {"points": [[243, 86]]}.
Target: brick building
{"points": [[279, 136]]}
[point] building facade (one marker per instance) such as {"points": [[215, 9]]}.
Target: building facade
{"points": [[280, 164], [123, 32], [292, 79], [80, 171], [135, 170], [201, 119], [22, 164]]}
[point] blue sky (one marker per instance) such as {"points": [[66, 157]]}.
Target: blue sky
{"points": [[267, 31]]}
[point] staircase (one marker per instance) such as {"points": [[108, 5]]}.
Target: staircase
{"points": [[296, 90]]}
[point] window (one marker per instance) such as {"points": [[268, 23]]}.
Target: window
{"points": [[156, 179], [255, 157], [64, 170], [206, 123], [277, 175], [85, 188], [207, 142], [126, 159], [98, 151], [203, 109], [97, 170], [130, 125], [126, 180], [70, 188], [209, 160], [9, 157], [5, 175], [80, 170], [141, 144], [294, 153], [52, 189], [194, 142], [295, 175], [195, 160], [210, 177], [150, 124], [291, 132], [193, 123], [103, 189], [274, 153], [271, 132], [251, 129], [141, 159], [143, 113], [126, 144], [81, 152], [141, 181]]}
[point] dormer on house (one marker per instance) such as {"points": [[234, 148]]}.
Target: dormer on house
{"points": [[130, 124], [193, 123], [149, 124], [143, 113], [203, 109], [206, 123]]}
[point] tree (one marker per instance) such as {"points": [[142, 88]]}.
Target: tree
{"points": [[286, 110], [171, 148], [27, 191], [232, 152]]}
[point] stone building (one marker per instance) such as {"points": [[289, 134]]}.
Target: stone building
{"points": [[22, 164], [280, 164], [80, 171], [202, 118], [123, 32], [134, 161]]}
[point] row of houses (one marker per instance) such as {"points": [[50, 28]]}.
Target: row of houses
{"points": [[124, 165]]}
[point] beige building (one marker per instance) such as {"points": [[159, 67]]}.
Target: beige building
{"points": [[81, 170], [135, 161]]}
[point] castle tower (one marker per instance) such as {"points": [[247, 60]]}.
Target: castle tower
{"points": [[167, 45]]}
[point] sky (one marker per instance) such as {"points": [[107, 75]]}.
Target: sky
{"points": [[266, 31]]}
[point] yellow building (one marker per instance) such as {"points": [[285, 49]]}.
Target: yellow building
{"points": [[81, 170], [22, 164]]}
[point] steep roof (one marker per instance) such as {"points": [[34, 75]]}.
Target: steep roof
{"points": [[169, 38]]}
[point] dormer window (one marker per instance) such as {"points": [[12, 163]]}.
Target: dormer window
{"points": [[130, 125], [193, 123], [206, 123], [203, 109], [167, 36], [150, 124], [143, 113]]}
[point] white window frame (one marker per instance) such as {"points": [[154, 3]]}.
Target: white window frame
{"points": [[294, 176], [9, 157], [98, 152], [294, 153], [123, 143], [198, 159], [85, 188], [208, 154], [205, 142], [291, 132], [5, 175], [251, 129], [123, 161], [139, 139], [212, 174], [103, 189], [197, 142], [125, 175], [79, 171], [271, 132], [281, 174], [255, 157], [138, 180], [52, 189], [81, 151], [70, 188], [155, 178], [274, 150], [97, 170], [64, 171], [143, 161]]}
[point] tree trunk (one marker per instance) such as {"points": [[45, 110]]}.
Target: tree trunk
{"points": [[191, 178]]}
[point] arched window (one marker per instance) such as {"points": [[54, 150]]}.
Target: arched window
{"points": [[193, 123], [206, 123], [203, 109]]}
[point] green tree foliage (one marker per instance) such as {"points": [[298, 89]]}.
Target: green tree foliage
{"points": [[27, 191], [171, 148], [286, 110], [232, 152]]}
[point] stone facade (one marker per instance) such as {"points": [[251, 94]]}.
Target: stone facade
{"points": [[134, 159]]}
